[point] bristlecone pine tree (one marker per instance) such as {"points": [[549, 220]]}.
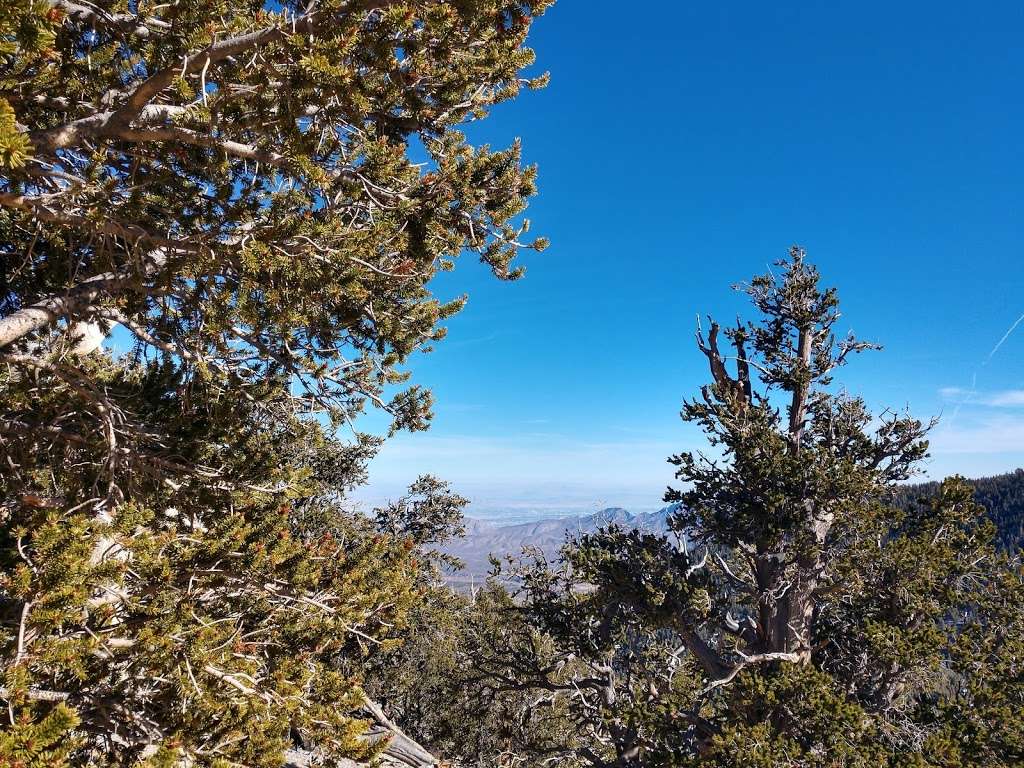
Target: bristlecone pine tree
{"points": [[249, 200], [799, 619]]}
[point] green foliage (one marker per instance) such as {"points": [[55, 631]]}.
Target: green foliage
{"points": [[1002, 496], [427, 517], [237, 188], [255, 229], [197, 621], [37, 740], [796, 715], [14, 146], [440, 681]]}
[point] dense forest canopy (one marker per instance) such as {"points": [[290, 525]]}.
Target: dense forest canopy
{"points": [[1002, 496]]}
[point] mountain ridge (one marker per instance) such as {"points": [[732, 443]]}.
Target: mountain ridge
{"points": [[484, 538], [1002, 495]]}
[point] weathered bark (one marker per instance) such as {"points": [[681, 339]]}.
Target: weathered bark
{"points": [[400, 747], [798, 406], [795, 610], [793, 619], [400, 752]]}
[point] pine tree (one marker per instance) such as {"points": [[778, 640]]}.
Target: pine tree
{"points": [[250, 200], [797, 619]]}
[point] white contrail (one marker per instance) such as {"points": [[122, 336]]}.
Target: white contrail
{"points": [[966, 397], [1005, 337]]}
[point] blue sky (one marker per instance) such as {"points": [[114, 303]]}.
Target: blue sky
{"points": [[683, 147]]}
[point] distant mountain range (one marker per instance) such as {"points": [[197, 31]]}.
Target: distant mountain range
{"points": [[1002, 495], [484, 538]]}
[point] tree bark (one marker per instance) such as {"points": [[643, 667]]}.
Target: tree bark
{"points": [[798, 406]]}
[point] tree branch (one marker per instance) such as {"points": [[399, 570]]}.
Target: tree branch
{"points": [[122, 23], [38, 208], [75, 301], [400, 746], [195, 138], [759, 658]]}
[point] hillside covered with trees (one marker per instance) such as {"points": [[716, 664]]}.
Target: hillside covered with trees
{"points": [[1002, 496], [220, 229]]}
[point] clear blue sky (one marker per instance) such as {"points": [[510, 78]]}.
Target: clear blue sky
{"points": [[682, 147]]}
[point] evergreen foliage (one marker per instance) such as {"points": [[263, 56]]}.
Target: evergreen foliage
{"points": [[256, 196], [1002, 496]]}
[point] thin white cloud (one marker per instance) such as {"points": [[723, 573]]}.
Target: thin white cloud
{"points": [[1006, 398], [962, 397], [954, 393], [987, 435], [548, 473], [1010, 398], [987, 438]]}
